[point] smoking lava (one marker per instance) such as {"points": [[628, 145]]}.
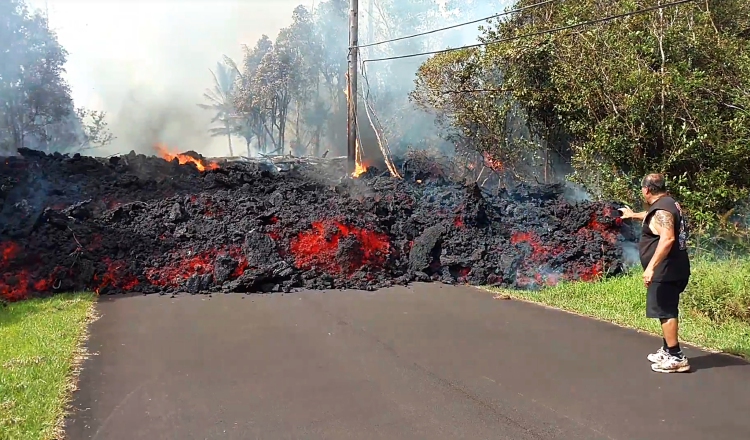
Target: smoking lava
{"points": [[144, 224]]}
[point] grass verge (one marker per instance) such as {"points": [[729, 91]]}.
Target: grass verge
{"points": [[40, 348], [714, 310]]}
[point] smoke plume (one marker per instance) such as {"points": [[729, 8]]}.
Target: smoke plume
{"points": [[147, 63]]}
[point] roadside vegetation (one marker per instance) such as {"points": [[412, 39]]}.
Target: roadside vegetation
{"points": [[715, 306], [40, 347], [602, 105]]}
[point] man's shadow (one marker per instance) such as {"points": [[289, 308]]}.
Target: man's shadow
{"points": [[716, 360]]}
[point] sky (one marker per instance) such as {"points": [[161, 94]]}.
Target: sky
{"points": [[138, 57]]}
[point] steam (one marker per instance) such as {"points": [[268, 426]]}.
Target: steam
{"points": [[576, 193], [630, 254]]}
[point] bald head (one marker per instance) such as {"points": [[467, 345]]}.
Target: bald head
{"points": [[655, 184], [653, 187]]}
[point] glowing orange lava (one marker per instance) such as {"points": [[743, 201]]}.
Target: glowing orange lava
{"points": [[318, 248], [116, 275], [188, 264], [15, 286], [163, 151]]}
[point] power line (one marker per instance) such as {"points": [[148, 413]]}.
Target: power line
{"points": [[534, 34], [478, 20]]}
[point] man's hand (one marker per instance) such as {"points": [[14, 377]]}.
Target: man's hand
{"points": [[626, 212], [648, 276]]}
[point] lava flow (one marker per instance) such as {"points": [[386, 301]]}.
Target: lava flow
{"points": [[320, 248], [136, 223]]}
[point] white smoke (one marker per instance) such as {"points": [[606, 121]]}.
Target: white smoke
{"points": [[630, 254], [146, 63]]}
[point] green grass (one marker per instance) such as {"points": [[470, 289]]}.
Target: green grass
{"points": [[40, 342], [715, 309]]}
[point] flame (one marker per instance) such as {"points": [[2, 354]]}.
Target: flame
{"points": [[492, 163], [359, 169], [359, 165], [163, 151]]}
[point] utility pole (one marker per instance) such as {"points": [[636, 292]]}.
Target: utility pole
{"points": [[351, 80]]}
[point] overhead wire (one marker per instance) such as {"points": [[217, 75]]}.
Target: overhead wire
{"points": [[478, 20], [538, 33]]}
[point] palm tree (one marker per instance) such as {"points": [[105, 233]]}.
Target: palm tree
{"points": [[221, 102]]}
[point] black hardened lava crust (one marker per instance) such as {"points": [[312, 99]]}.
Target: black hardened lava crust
{"points": [[142, 224]]}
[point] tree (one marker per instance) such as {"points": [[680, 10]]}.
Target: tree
{"points": [[472, 113], [332, 27], [94, 129], [252, 115], [662, 91], [33, 93], [295, 87], [305, 46], [221, 102], [81, 130], [281, 80]]}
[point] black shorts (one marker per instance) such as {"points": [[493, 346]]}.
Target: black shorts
{"points": [[663, 299]]}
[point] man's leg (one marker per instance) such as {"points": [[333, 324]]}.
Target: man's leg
{"points": [[665, 305], [669, 328], [654, 311]]}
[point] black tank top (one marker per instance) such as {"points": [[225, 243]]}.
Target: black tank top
{"points": [[676, 266]]}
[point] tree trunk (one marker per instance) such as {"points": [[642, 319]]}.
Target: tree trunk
{"points": [[229, 138], [296, 129]]}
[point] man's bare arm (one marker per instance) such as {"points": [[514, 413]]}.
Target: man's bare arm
{"points": [[662, 224], [628, 213], [639, 215]]}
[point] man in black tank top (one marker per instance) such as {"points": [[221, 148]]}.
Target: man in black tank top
{"points": [[666, 268]]}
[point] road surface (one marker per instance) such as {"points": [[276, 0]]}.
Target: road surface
{"points": [[427, 362]]}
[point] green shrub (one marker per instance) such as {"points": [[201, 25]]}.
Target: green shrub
{"points": [[720, 290]]}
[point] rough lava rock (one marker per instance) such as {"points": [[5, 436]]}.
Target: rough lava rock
{"points": [[142, 224]]}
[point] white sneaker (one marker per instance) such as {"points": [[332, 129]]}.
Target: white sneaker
{"points": [[672, 364], [660, 355]]}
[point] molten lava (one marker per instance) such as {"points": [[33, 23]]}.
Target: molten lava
{"points": [[88, 224], [163, 152], [320, 247], [19, 284]]}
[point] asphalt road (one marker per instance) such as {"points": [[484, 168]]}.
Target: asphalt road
{"points": [[429, 362]]}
